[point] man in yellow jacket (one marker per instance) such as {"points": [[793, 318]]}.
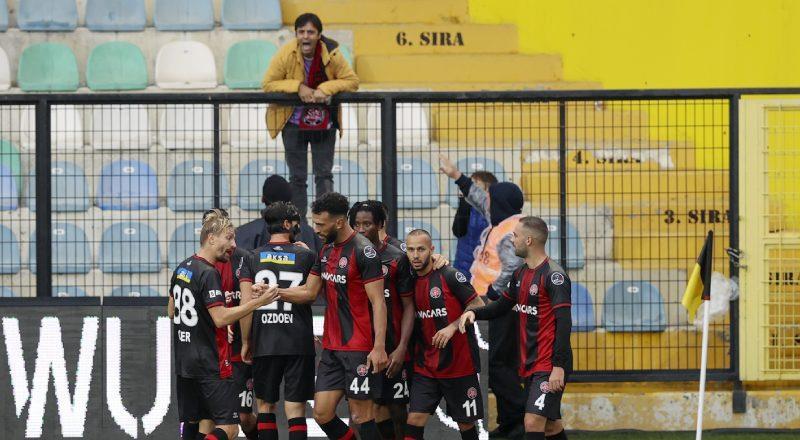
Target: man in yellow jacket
{"points": [[312, 66]]}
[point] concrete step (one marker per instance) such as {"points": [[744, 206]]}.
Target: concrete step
{"points": [[436, 68], [377, 11]]}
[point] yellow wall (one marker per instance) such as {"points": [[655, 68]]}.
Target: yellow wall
{"points": [[659, 43]]}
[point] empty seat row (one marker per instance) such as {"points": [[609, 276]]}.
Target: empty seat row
{"points": [[76, 291], [130, 15], [628, 306]]}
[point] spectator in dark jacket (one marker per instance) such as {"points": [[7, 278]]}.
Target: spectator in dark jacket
{"points": [[254, 234], [469, 223]]}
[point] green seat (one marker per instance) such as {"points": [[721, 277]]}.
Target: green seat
{"points": [[116, 65], [9, 156], [246, 63], [48, 67]]}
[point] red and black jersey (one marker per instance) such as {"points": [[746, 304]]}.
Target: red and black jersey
{"points": [[201, 349], [397, 282], [538, 292], [345, 268], [388, 239], [440, 298], [229, 273], [281, 328]]}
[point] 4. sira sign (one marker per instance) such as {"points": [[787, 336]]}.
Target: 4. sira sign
{"points": [[72, 408]]}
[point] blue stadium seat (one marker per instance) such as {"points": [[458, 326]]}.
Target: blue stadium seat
{"points": [[417, 183], [127, 185], [10, 259], [115, 15], [191, 187], [405, 226], [582, 309], [9, 192], [349, 178], [183, 15], [6, 292], [68, 291], [251, 180], [134, 291], [633, 306], [3, 17], [47, 15], [469, 165], [183, 243], [576, 255], [70, 250], [129, 247], [69, 188], [251, 15]]}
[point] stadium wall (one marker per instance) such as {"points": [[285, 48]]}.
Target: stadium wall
{"points": [[628, 44]]}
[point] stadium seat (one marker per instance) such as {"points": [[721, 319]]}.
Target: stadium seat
{"points": [[70, 250], [68, 188], [68, 292], [184, 65], [115, 15], [247, 128], [576, 254], [251, 15], [129, 247], [9, 191], [351, 133], [47, 67], [183, 243], [633, 306], [9, 156], [183, 15], [6, 292], [189, 127], [418, 185], [127, 185], [246, 63], [348, 178], [190, 187], [413, 126], [120, 127], [10, 257], [347, 55], [5, 69], [582, 309], [470, 165], [47, 15], [251, 180], [3, 18], [116, 65], [404, 226], [66, 125], [134, 291]]}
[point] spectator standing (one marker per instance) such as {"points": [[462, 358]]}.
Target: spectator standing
{"points": [[469, 223]]}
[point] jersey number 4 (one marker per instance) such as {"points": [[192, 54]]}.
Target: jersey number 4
{"points": [[269, 277], [184, 306]]}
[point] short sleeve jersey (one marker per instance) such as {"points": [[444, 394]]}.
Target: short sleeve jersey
{"points": [[345, 268], [281, 328], [440, 298], [397, 282], [201, 349], [538, 292]]}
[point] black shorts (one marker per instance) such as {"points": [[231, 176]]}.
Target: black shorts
{"points": [[243, 376], [345, 370], [462, 395], [542, 401], [208, 398], [296, 372], [391, 390]]}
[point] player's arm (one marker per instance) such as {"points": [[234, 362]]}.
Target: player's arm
{"points": [[398, 356], [304, 294], [171, 307], [493, 310], [560, 287], [223, 316], [246, 322], [377, 357]]}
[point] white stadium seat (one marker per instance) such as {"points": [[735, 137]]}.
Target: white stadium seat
{"points": [[413, 125], [66, 124], [186, 127], [247, 128], [120, 127], [5, 71], [185, 65]]}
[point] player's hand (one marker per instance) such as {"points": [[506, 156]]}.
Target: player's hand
{"points": [[269, 295], [320, 97], [557, 379], [306, 93], [247, 356], [466, 319], [449, 168], [439, 261], [396, 360], [301, 244], [257, 290], [377, 360], [442, 337]]}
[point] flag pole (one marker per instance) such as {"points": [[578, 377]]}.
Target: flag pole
{"points": [[703, 364]]}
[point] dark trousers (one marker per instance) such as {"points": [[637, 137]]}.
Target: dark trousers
{"points": [[504, 378], [295, 142]]}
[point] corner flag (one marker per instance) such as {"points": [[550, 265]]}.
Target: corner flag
{"points": [[699, 287]]}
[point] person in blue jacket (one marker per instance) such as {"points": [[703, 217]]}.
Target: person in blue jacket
{"points": [[469, 223]]}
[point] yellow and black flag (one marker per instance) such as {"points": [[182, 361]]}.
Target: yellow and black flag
{"points": [[699, 287]]}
